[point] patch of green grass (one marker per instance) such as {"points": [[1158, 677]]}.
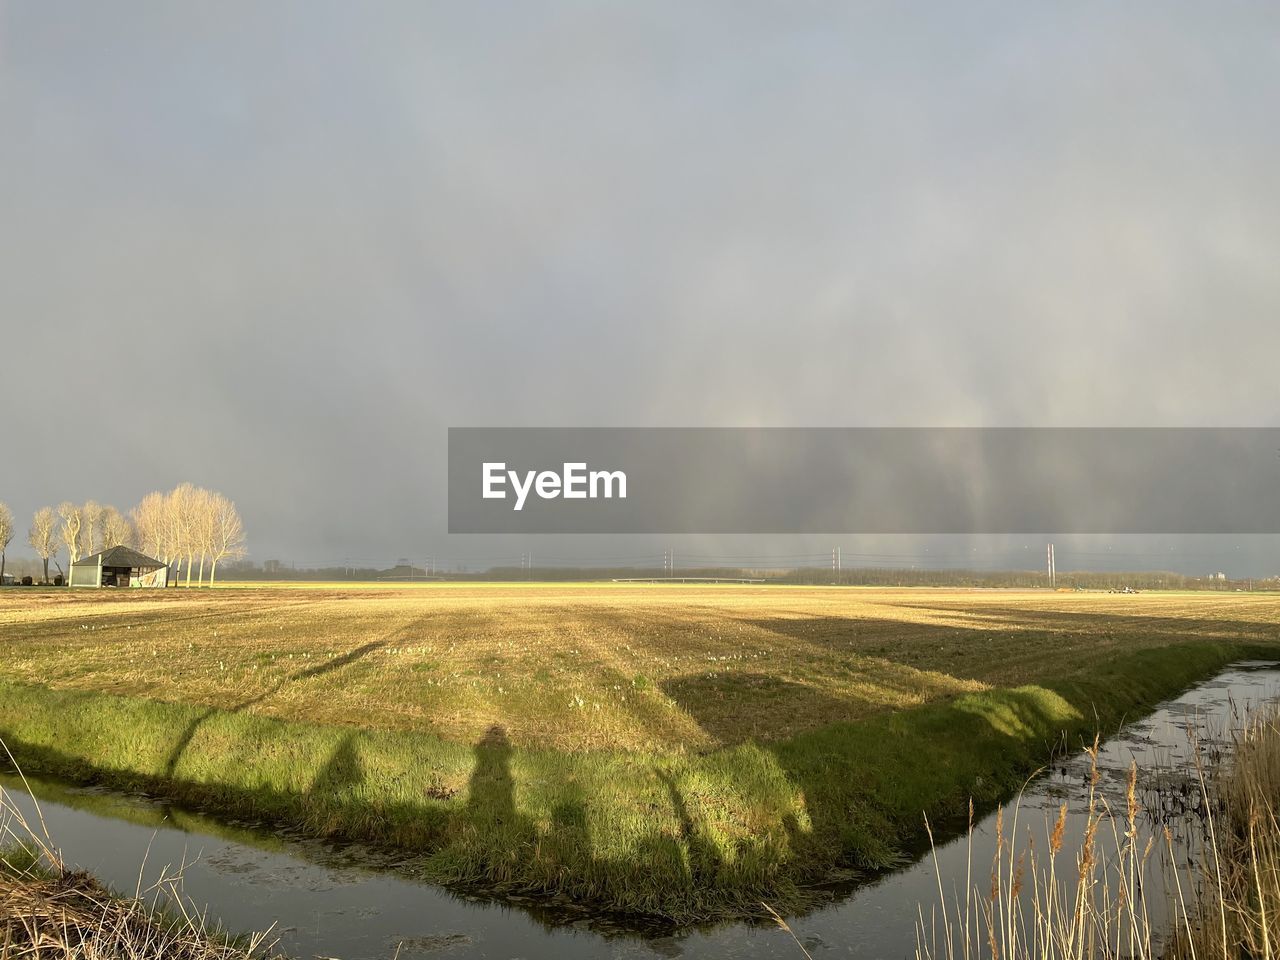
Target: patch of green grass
{"points": [[676, 833], [19, 858]]}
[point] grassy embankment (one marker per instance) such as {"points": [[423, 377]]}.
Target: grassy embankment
{"points": [[680, 752]]}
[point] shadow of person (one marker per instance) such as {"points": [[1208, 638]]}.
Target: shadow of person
{"points": [[703, 857], [341, 772], [491, 791], [567, 839], [494, 833]]}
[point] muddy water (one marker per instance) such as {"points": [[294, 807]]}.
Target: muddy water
{"points": [[346, 901]]}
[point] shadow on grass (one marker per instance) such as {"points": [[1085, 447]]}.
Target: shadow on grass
{"points": [[342, 771], [702, 855], [337, 663], [491, 792], [718, 832], [688, 837], [737, 705]]}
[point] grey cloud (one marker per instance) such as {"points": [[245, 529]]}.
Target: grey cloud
{"points": [[321, 234]]}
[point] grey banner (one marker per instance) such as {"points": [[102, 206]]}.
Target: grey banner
{"points": [[865, 480]]}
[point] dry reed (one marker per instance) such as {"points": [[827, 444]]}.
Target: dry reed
{"points": [[50, 912], [1215, 896]]}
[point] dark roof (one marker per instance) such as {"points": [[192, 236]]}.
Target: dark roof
{"points": [[119, 557]]}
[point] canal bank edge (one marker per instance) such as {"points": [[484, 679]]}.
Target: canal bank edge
{"points": [[684, 837]]}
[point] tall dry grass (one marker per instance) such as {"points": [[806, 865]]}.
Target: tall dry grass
{"points": [[1124, 885], [1237, 895], [50, 912]]}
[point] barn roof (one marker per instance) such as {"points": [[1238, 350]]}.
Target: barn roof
{"points": [[119, 557]]}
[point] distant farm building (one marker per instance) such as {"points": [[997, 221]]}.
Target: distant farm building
{"points": [[119, 567]]}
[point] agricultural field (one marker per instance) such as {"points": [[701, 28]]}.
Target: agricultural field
{"points": [[575, 667], [682, 751]]}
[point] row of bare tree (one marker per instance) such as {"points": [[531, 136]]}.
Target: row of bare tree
{"points": [[186, 526]]}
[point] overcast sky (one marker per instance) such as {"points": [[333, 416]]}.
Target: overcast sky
{"points": [[277, 249]]}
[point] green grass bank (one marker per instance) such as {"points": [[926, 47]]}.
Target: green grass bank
{"points": [[685, 836]]}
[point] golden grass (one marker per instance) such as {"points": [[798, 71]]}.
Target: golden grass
{"points": [[588, 666]]}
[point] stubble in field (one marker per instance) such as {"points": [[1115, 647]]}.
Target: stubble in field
{"points": [[644, 667]]}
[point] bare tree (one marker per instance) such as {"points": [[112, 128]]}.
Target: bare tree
{"points": [[182, 503], [91, 513], [171, 531], [158, 521], [71, 532], [6, 535], [202, 509], [227, 533], [186, 524], [43, 536], [116, 530], [148, 525]]}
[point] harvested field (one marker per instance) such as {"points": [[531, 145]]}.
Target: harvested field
{"points": [[590, 666], [682, 751]]}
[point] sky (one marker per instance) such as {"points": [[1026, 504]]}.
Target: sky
{"points": [[278, 249]]}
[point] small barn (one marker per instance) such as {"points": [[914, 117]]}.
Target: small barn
{"points": [[119, 567]]}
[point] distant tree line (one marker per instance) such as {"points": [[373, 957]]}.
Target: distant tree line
{"points": [[892, 577], [188, 528], [864, 576], [275, 570]]}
